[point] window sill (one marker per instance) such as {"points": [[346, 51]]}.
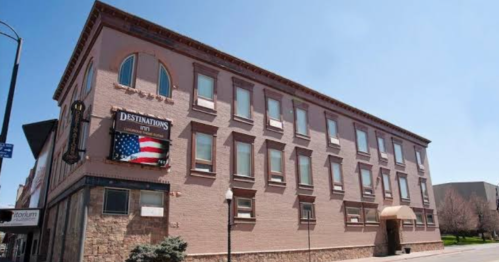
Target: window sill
{"points": [[275, 129], [372, 224], [388, 198], [204, 174], [306, 187], [360, 153], [243, 120], [276, 184], [352, 224], [304, 221], [405, 200], [335, 146], [205, 110], [369, 196], [408, 226], [243, 178], [431, 225], [420, 225], [304, 137], [400, 164], [338, 192], [240, 220]]}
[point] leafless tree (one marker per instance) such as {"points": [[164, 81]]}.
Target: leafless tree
{"points": [[487, 218], [456, 215]]}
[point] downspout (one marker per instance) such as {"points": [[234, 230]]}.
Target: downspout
{"points": [[83, 226]]}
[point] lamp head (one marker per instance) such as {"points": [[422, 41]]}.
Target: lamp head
{"points": [[229, 194]]}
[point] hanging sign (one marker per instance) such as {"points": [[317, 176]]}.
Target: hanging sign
{"points": [[72, 155]]}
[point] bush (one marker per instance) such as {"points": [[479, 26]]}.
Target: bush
{"points": [[172, 249]]}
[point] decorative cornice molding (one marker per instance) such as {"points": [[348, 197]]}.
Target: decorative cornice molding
{"points": [[105, 15]]}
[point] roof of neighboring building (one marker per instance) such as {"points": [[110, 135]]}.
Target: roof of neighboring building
{"points": [[208, 54], [37, 133], [482, 189]]}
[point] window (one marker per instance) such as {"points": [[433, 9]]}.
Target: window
{"points": [[361, 139], [332, 130], [419, 159], [336, 174], [430, 219], [243, 156], [244, 205], [371, 214], [398, 152], [407, 222], [419, 217], [273, 115], [127, 71], [151, 198], [205, 88], [404, 187], [424, 192], [366, 180], [380, 137], [244, 208], [89, 76], [116, 201], [354, 215], [304, 167], [301, 119], [307, 208], [164, 83], [243, 100], [387, 184], [275, 169], [203, 148]]}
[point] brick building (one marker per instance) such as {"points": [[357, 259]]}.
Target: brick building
{"points": [[173, 124]]}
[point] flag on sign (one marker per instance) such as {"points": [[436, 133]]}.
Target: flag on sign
{"points": [[140, 149]]}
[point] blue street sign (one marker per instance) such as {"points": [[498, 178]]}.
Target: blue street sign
{"points": [[6, 150]]}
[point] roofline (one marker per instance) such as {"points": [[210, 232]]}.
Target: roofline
{"points": [[99, 7]]}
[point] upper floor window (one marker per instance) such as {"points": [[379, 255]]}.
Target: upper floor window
{"points": [[419, 159], [361, 139], [243, 100], [243, 156], [164, 83], [275, 153], [380, 138], [387, 184], [301, 119], [203, 148], [127, 71], [332, 130], [424, 192], [398, 152], [336, 174], [205, 88], [89, 76], [366, 180], [274, 113], [304, 166], [403, 187]]}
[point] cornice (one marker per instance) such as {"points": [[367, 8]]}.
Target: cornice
{"points": [[105, 15]]}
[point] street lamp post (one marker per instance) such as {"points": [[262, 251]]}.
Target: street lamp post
{"points": [[228, 197], [10, 97]]}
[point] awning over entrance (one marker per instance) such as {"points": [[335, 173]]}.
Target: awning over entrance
{"points": [[398, 212]]}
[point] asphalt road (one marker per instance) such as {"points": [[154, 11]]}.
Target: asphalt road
{"points": [[476, 253]]}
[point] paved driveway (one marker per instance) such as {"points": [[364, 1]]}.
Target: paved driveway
{"points": [[474, 253]]}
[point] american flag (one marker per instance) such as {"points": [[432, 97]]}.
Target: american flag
{"points": [[140, 149]]}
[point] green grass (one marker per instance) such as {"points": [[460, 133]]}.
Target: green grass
{"points": [[451, 241]]}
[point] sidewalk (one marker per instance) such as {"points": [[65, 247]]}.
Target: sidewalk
{"points": [[412, 255]]}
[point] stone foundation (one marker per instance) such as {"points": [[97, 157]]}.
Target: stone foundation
{"points": [[319, 255]]}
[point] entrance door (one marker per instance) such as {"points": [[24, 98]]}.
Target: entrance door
{"points": [[393, 232]]}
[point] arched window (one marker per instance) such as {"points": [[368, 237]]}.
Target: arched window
{"points": [[164, 85], [127, 68], [89, 76]]}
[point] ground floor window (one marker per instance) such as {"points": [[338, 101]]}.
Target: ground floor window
{"points": [[361, 213], [116, 201], [151, 198], [244, 205]]}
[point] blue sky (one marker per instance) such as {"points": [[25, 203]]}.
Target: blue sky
{"points": [[429, 66]]}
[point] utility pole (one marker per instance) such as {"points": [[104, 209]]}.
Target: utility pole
{"points": [[13, 79]]}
